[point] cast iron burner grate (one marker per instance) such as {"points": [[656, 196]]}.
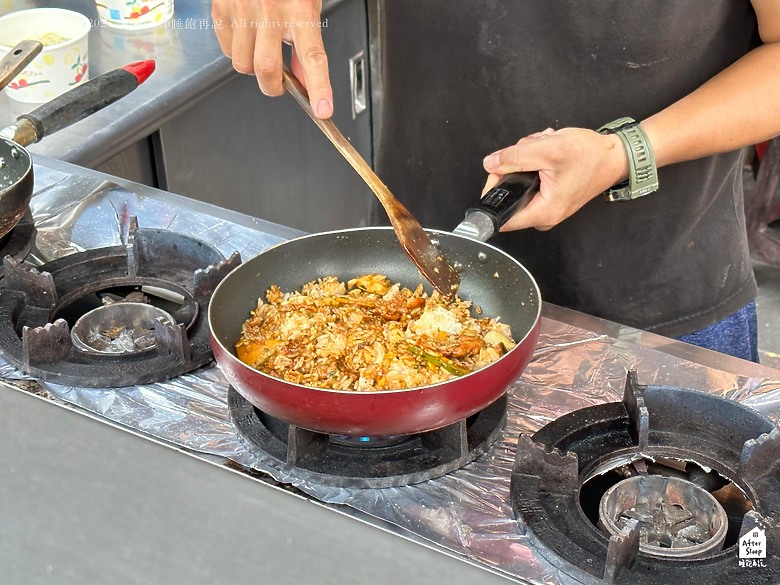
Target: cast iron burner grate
{"points": [[39, 307], [689, 442], [365, 462], [19, 241]]}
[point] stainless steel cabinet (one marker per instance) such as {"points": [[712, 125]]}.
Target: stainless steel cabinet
{"points": [[263, 156]]}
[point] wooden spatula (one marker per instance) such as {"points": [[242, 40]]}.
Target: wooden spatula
{"points": [[427, 257]]}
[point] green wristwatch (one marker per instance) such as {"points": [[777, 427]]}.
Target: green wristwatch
{"points": [[642, 174]]}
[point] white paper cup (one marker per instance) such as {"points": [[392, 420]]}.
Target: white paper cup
{"points": [[134, 14], [120, 47], [64, 61]]}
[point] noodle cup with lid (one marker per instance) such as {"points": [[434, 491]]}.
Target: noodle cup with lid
{"points": [[64, 61]]}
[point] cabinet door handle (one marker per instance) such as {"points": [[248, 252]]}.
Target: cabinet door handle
{"points": [[358, 82]]}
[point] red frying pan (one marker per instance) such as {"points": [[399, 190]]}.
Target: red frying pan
{"points": [[490, 278]]}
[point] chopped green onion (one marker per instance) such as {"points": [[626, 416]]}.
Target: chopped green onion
{"points": [[438, 361]]}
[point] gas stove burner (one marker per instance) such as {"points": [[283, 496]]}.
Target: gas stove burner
{"points": [[59, 321], [123, 327], [19, 241], [367, 442], [676, 517], [367, 462], [659, 488]]}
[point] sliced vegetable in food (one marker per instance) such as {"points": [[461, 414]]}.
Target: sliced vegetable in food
{"points": [[439, 361]]}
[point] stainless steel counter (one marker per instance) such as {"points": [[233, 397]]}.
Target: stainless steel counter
{"points": [[152, 485]]}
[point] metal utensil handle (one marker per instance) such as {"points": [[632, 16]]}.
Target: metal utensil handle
{"points": [[358, 83], [512, 194], [17, 59]]}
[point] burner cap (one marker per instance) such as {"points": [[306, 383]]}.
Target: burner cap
{"points": [[119, 328], [677, 519]]}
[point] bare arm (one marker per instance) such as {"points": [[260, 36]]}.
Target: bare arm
{"points": [[738, 107], [251, 32]]}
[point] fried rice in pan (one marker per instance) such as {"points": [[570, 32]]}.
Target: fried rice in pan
{"points": [[368, 335]]}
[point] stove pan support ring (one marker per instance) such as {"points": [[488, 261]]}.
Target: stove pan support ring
{"points": [[153, 258], [366, 462], [552, 466]]}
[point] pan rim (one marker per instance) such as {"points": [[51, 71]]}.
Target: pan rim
{"points": [[519, 343]]}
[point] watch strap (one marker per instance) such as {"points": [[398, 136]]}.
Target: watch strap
{"points": [[642, 172]]}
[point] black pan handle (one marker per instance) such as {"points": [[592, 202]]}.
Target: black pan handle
{"points": [[512, 194], [85, 99]]}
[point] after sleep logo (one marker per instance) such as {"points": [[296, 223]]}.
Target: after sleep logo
{"points": [[752, 549]]}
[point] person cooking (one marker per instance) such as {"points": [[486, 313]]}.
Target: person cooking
{"points": [[648, 104]]}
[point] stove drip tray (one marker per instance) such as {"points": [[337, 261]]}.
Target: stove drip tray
{"points": [[664, 487], [114, 316], [366, 462]]}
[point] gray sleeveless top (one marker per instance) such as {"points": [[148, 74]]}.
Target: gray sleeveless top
{"points": [[461, 79]]}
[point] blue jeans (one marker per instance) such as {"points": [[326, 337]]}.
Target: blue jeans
{"points": [[735, 335]]}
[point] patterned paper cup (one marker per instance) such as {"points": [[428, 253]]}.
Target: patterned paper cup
{"points": [[120, 47], [64, 61], [134, 14]]}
